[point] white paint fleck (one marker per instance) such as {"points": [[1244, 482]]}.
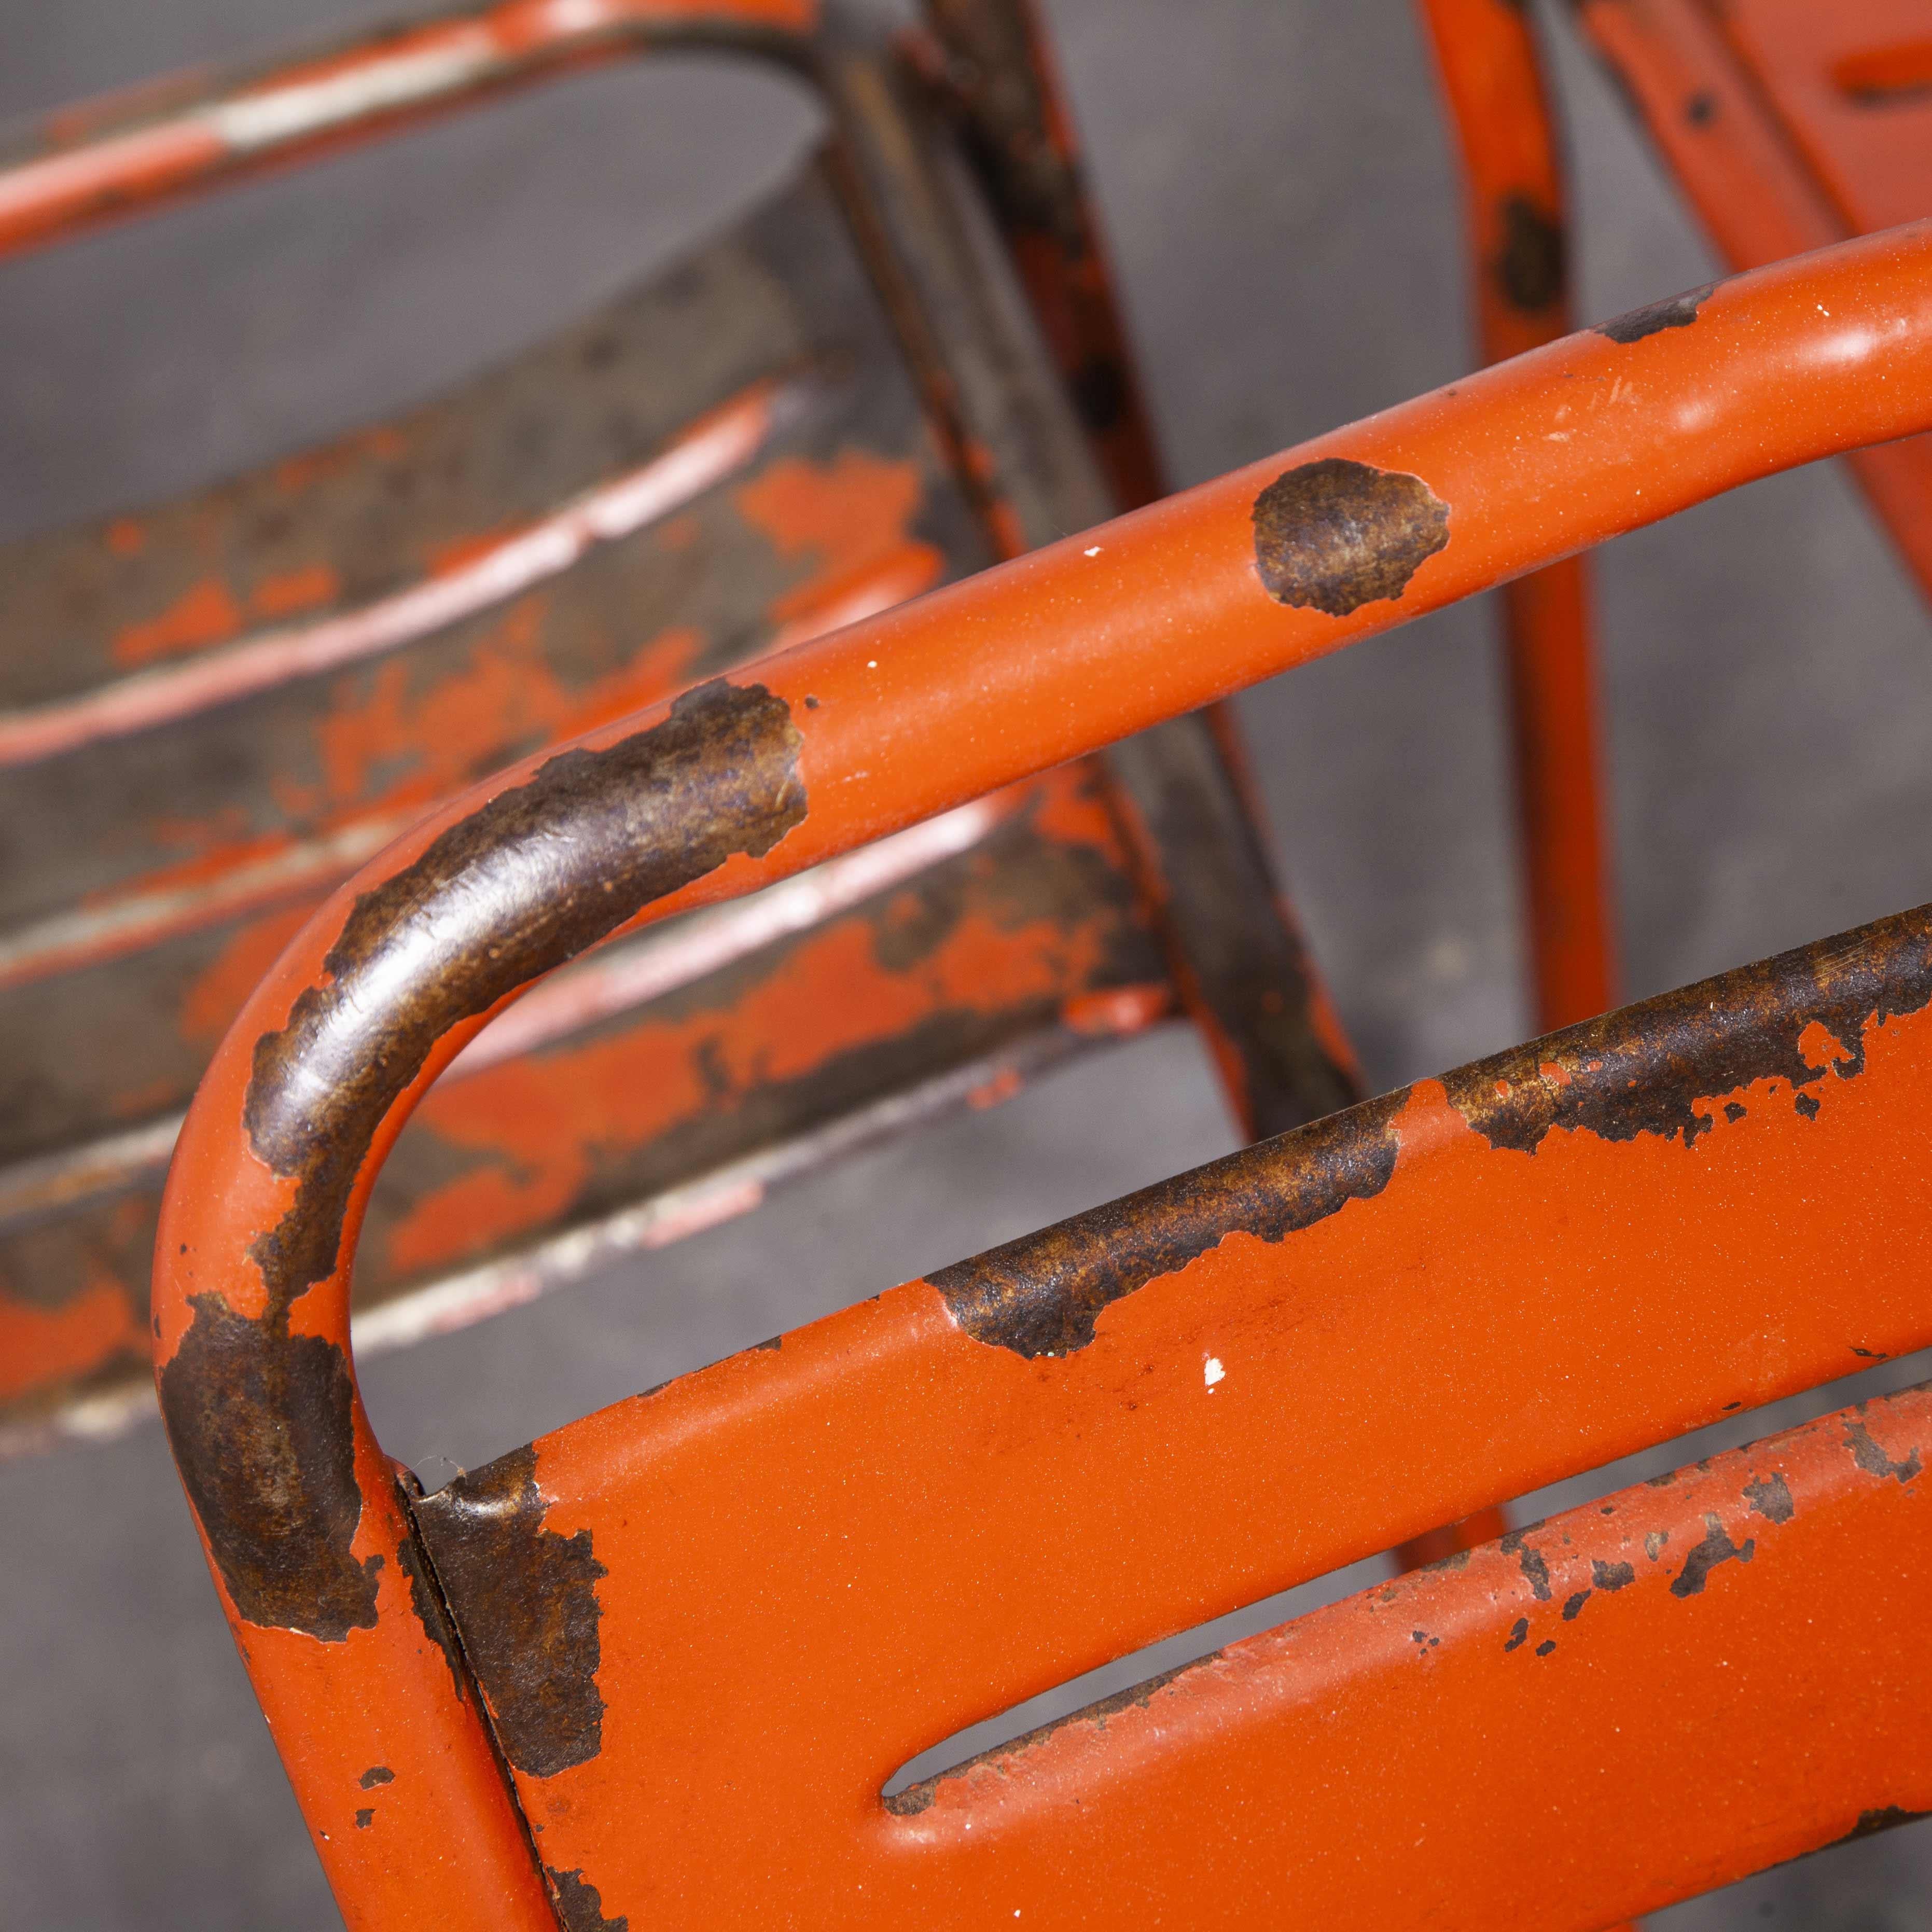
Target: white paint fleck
{"points": [[1213, 1371], [1094, 552], [871, 664]]}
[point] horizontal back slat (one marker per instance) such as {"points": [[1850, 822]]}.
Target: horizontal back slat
{"points": [[762, 1589]]}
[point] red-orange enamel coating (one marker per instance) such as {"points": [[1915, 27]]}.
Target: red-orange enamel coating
{"points": [[1530, 1358], [102, 160], [1744, 171], [1485, 55]]}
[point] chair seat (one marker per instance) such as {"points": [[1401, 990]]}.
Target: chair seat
{"points": [[216, 709]]}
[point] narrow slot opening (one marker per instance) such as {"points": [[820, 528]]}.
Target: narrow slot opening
{"points": [[1125, 1674]]}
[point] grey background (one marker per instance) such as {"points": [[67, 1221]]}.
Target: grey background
{"points": [[1283, 211]]}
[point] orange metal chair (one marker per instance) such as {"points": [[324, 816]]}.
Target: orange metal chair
{"points": [[906, 365], [659, 1667]]}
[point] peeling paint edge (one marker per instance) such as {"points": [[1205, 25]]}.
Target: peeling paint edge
{"points": [[457, 1301]]}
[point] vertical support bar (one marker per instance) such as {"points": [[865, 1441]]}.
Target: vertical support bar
{"points": [[993, 59], [1487, 59], [1021, 452]]}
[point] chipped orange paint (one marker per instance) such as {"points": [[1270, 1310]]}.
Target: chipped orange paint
{"points": [[205, 613], [307, 588], [854, 514], [1125, 1009], [905, 1527], [1645, 1287], [542, 1135], [46, 1347], [294, 475], [216, 994], [383, 745], [1753, 190]]}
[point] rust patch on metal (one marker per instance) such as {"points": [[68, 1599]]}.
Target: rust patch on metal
{"points": [[526, 882], [1703, 1557], [1519, 1635], [917, 1797], [426, 1600], [376, 1774], [1572, 1606], [365, 1818], [580, 1905], [1886, 1818], [525, 1602], [1674, 312], [1041, 1295], [260, 1423], [1612, 1576], [1663, 1067], [1530, 1561], [1335, 534], [1531, 266], [260, 1419], [1770, 1496], [1873, 1459]]}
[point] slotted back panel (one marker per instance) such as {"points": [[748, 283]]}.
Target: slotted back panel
{"points": [[712, 1622]]}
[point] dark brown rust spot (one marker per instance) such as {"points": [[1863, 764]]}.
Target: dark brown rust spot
{"points": [[1572, 1606], [1770, 1496], [365, 1818], [525, 1602], [1335, 534], [1531, 1562], [1530, 266], [1662, 1067], [1041, 1294], [376, 1774], [1612, 1576], [1674, 312], [1546, 1646], [426, 1600], [1886, 1818], [580, 1905], [259, 1423], [1716, 1548], [1872, 1458], [526, 882]]}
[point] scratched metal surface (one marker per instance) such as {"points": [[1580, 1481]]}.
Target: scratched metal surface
{"points": [[1277, 183]]}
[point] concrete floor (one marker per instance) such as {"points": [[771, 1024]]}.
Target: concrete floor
{"points": [[1283, 211]]}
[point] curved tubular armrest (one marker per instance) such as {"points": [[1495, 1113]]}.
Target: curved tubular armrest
{"points": [[100, 161], [807, 753]]}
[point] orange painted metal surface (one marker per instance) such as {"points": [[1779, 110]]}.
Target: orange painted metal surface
{"points": [[1747, 172], [969, 1489], [995, 59], [103, 160], [1486, 58], [299, 661]]}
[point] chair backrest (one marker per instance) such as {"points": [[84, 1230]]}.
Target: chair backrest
{"points": [[217, 709], [705, 1628]]}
